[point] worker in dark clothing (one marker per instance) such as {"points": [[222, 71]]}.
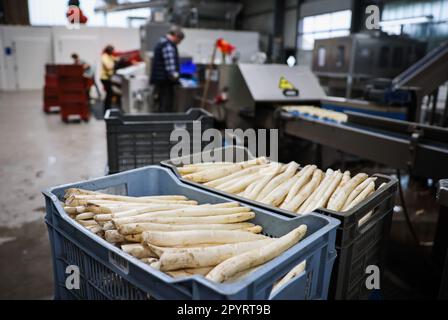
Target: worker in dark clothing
{"points": [[165, 68]]}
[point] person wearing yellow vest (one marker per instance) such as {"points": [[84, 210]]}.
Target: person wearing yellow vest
{"points": [[107, 71]]}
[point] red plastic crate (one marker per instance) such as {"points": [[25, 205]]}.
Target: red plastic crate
{"points": [[73, 97], [51, 69], [51, 91], [50, 104], [67, 81], [70, 70], [51, 80], [72, 88], [75, 108]]}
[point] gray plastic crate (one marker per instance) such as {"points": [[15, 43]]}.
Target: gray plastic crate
{"points": [[109, 273], [135, 141], [360, 242]]}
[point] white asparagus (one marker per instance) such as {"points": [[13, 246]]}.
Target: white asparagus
{"points": [[204, 164], [304, 208], [337, 200], [108, 208], [80, 200], [85, 216], [193, 237], [240, 184], [198, 212], [265, 177], [221, 219], [174, 259], [188, 169], [95, 229], [74, 191], [108, 226], [305, 192], [254, 229], [249, 189], [241, 275], [113, 236], [75, 210], [134, 238], [290, 170], [369, 189], [138, 251], [148, 260], [345, 178], [305, 176], [297, 270], [321, 199], [207, 210], [276, 196], [214, 174], [239, 174], [357, 191], [101, 218], [256, 257], [88, 223], [134, 228]]}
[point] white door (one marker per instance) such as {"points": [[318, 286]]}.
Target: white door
{"points": [[30, 57]]}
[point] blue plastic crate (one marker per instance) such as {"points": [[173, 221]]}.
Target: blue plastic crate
{"points": [[106, 272]]}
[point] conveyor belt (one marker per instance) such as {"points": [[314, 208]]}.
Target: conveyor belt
{"points": [[398, 144], [428, 73]]}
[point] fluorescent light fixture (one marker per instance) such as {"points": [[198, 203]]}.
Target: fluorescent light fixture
{"points": [[414, 20], [291, 61]]}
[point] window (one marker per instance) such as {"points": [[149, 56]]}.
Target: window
{"points": [[52, 13], [323, 26]]}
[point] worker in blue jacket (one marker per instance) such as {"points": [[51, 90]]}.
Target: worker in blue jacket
{"points": [[165, 68]]}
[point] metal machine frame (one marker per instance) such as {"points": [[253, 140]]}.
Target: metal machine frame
{"points": [[399, 144]]}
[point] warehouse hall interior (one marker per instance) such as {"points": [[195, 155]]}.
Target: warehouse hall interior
{"points": [[224, 150]]}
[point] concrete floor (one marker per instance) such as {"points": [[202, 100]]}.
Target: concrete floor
{"points": [[39, 151]]}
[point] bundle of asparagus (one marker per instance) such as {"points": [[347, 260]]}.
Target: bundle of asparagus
{"points": [[284, 185], [318, 112], [179, 236]]}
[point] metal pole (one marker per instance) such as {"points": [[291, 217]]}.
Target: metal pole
{"points": [[445, 112], [207, 78]]}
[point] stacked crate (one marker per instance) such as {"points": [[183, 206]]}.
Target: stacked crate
{"points": [[51, 101], [73, 92]]}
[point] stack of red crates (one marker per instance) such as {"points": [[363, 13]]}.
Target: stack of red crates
{"points": [[73, 92], [51, 93]]}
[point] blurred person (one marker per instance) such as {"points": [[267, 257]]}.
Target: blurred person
{"points": [[107, 71], [86, 67], [89, 74], [165, 68]]}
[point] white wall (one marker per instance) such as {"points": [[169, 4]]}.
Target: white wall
{"points": [[199, 43], [2, 59], [25, 66], [88, 42]]}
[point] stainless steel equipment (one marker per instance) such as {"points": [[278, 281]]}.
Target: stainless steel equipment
{"points": [[150, 33], [346, 64], [136, 94], [254, 92], [421, 149]]}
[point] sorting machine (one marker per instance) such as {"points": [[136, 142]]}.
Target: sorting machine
{"points": [[421, 149], [373, 131]]}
